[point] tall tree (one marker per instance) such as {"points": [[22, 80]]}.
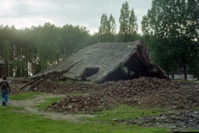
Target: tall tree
{"points": [[48, 45], [171, 27], [128, 25], [7, 51], [112, 25], [103, 24], [112, 28], [33, 49], [133, 27], [107, 28], [73, 38]]}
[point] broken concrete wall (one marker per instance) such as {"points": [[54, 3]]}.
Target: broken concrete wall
{"points": [[106, 61]]}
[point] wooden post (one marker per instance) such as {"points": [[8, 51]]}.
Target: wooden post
{"points": [[47, 76], [31, 82]]}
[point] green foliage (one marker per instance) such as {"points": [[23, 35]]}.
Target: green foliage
{"points": [[73, 38], [7, 56], [107, 28], [128, 25], [95, 38], [48, 45], [32, 50], [18, 67], [171, 31]]}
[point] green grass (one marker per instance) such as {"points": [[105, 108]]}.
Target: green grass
{"points": [[25, 96], [48, 102], [12, 122], [124, 112]]}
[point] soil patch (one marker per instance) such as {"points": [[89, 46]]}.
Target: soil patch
{"points": [[143, 92], [29, 106], [180, 98]]}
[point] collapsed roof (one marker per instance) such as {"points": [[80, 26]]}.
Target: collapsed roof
{"points": [[105, 62]]}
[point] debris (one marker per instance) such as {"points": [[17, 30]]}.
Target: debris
{"points": [[107, 62], [39, 80], [174, 121], [180, 98], [145, 92]]}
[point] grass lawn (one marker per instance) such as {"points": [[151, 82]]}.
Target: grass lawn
{"points": [[24, 96], [13, 122], [124, 112]]}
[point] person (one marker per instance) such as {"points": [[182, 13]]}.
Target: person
{"points": [[5, 90]]}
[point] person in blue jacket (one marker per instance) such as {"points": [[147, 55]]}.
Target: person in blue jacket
{"points": [[5, 90]]}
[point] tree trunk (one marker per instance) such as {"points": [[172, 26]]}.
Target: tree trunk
{"points": [[185, 72], [172, 75]]}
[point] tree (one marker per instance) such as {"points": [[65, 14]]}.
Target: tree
{"points": [[31, 50], [128, 25], [171, 26], [93, 39], [48, 45], [107, 28], [7, 56], [133, 27], [112, 25], [73, 38], [111, 28]]}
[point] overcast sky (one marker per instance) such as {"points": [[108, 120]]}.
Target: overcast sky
{"points": [[27, 13]]}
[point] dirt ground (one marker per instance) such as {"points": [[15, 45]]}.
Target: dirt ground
{"points": [[174, 96], [29, 106]]}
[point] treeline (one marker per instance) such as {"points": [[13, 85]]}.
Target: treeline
{"points": [[32, 50], [170, 31]]}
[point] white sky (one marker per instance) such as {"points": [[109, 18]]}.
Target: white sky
{"points": [[27, 13]]}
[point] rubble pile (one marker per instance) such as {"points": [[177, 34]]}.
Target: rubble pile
{"points": [[46, 87], [143, 92], [180, 99], [174, 121]]}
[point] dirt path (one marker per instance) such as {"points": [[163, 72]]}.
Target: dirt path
{"points": [[29, 106]]}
